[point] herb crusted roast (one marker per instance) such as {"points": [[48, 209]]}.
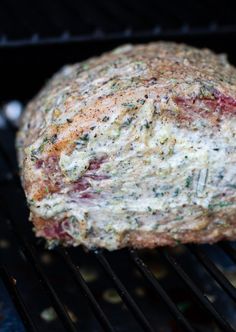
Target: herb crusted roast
{"points": [[133, 148]]}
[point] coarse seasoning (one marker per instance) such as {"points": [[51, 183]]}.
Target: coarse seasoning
{"points": [[135, 147]]}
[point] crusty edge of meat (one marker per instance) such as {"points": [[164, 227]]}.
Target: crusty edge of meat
{"points": [[212, 233]]}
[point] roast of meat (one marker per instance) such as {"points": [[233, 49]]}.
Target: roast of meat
{"points": [[135, 147]]}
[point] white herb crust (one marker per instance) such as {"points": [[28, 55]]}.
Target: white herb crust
{"points": [[133, 148]]}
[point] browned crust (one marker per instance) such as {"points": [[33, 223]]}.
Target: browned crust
{"points": [[212, 233], [151, 239]]}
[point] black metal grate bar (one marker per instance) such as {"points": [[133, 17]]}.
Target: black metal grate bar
{"points": [[160, 291], [18, 301], [231, 252], [102, 318], [124, 294], [203, 300], [214, 271], [155, 32]]}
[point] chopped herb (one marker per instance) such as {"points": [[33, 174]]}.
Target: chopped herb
{"points": [[105, 119], [141, 101], [179, 218], [207, 92], [42, 146], [188, 181], [113, 85], [220, 174], [85, 137], [171, 151], [220, 204], [156, 193], [147, 124], [149, 209], [137, 221], [130, 106], [73, 219], [34, 155], [176, 192], [53, 138], [127, 122]]}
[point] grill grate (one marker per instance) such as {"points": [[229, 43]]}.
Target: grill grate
{"points": [[196, 291], [124, 35], [13, 225], [177, 314]]}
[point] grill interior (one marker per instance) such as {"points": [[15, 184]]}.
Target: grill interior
{"points": [[186, 288]]}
